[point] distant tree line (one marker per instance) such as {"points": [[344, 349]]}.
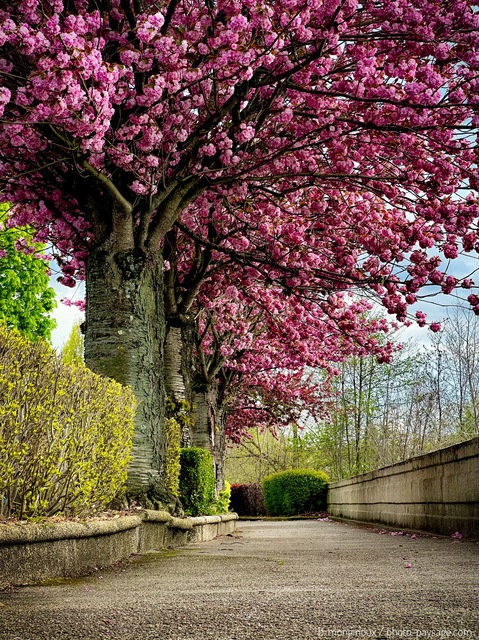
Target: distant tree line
{"points": [[380, 414]]}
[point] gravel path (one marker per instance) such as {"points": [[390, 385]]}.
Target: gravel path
{"points": [[292, 580]]}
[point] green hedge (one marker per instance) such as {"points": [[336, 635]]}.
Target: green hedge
{"points": [[290, 493], [65, 433], [197, 481]]}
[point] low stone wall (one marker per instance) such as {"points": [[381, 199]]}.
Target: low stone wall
{"points": [[32, 553], [437, 492]]}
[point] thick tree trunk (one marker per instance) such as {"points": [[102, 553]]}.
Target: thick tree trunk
{"points": [[220, 448], [124, 338], [209, 428], [178, 368], [203, 430], [204, 396]]}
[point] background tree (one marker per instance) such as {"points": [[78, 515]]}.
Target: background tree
{"points": [[252, 348], [26, 298], [371, 415], [451, 369], [260, 454], [339, 135], [72, 350], [379, 414]]}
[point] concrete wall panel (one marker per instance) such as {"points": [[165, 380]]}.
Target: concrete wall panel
{"points": [[437, 492]]}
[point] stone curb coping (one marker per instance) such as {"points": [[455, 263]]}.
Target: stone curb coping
{"points": [[11, 534], [50, 531], [214, 519], [200, 520], [156, 516]]}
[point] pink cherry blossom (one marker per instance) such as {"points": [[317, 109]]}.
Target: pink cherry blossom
{"points": [[311, 169]]}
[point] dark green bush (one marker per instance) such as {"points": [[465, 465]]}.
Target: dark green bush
{"points": [[247, 499], [290, 493], [197, 481]]}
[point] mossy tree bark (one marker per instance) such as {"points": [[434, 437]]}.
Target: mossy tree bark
{"points": [[178, 368], [209, 429], [124, 338], [203, 433], [220, 447]]}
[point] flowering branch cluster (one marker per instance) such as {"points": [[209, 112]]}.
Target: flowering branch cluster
{"points": [[305, 149]]}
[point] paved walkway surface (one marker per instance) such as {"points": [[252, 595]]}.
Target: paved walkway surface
{"points": [[292, 580]]}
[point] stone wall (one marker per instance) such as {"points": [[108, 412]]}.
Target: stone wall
{"points": [[32, 553], [437, 492]]}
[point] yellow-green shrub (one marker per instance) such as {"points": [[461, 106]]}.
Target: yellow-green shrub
{"points": [[65, 433], [288, 493], [172, 458], [222, 502]]}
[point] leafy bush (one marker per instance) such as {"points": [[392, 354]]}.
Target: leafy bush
{"points": [[65, 433], [248, 499], [26, 297], [289, 493], [172, 458], [222, 502], [197, 481]]}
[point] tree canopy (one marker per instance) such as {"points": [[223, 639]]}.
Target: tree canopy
{"points": [[322, 132], [307, 149]]}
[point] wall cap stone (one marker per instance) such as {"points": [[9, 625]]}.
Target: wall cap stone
{"points": [[23, 533], [446, 455], [156, 516], [199, 520], [226, 517], [50, 531], [186, 524]]}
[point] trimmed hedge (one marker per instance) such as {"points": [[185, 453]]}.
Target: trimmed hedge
{"points": [[248, 499], [65, 433], [290, 493], [197, 481]]}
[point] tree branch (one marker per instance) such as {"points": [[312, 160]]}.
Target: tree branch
{"points": [[123, 203], [169, 16]]}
